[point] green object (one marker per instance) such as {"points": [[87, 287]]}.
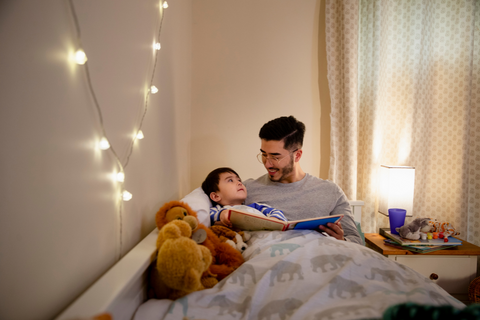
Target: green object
{"points": [[359, 228], [415, 311]]}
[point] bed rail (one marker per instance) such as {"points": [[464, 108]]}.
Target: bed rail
{"points": [[121, 290]]}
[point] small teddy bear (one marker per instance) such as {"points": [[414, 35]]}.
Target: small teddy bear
{"points": [[412, 230], [180, 262], [225, 258], [234, 238]]}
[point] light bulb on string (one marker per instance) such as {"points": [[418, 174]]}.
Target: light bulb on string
{"points": [[140, 135], [157, 46], [80, 57], [153, 89], [120, 176], [103, 144], [127, 196], [165, 5]]}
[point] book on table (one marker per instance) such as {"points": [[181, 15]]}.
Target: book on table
{"points": [[413, 248], [256, 222], [429, 242]]}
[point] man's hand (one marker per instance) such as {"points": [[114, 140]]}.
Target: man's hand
{"points": [[224, 219], [334, 230]]}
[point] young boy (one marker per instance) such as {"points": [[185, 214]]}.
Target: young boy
{"points": [[226, 190]]}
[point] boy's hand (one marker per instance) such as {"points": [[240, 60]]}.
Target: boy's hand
{"points": [[224, 219], [334, 230]]}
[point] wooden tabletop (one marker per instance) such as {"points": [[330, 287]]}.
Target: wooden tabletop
{"points": [[375, 241]]}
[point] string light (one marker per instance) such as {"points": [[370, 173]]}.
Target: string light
{"points": [[80, 57], [120, 177], [127, 196], [103, 144]]}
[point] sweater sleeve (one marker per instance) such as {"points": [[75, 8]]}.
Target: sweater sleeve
{"points": [[268, 211], [215, 213]]}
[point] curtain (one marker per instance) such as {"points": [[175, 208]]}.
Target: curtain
{"points": [[405, 90]]}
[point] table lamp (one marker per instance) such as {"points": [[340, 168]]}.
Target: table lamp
{"points": [[396, 188]]}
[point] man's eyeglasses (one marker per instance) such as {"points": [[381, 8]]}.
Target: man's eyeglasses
{"points": [[263, 158]]}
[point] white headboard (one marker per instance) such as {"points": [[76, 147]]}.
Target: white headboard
{"points": [[357, 209]]}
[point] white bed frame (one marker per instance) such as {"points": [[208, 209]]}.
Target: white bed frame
{"points": [[124, 287]]}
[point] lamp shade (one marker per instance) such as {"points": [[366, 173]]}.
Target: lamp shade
{"points": [[396, 188]]}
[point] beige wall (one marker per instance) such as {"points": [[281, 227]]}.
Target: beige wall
{"points": [[324, 96], [59, 221], [253, 61], [225, 68]]}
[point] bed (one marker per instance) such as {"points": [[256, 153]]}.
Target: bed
{"points": [[292, 274]]}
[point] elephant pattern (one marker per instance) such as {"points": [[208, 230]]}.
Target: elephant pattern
{"points": [[330, 243], [389, 276], [339, 285], [371, 254], [283, 246], [285, 267], [342, 312], [228, 306], [335, 260], [285, 236], [240, 273], [283, 308]]}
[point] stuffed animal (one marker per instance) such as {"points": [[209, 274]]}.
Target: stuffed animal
{"points": [[225, 258], [234, 238], [445, 227], [412, 230], [180, 262]]}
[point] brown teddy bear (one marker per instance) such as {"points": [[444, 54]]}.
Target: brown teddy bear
{"points": [[225, 258], [180, 262]]}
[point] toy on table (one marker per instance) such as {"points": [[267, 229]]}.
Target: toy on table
{"points": [[412, 230], [225, 258], [446, 228], [180, 264]]}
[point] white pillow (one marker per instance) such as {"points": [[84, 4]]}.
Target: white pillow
{"points": [[200, 203]]}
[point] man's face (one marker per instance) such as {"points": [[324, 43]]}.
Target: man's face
{"points": [[278, 161]]}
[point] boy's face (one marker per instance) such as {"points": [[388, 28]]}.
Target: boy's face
{"points": [[231, 190]]}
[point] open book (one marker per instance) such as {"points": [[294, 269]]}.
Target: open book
{"points": [[252, 222]]}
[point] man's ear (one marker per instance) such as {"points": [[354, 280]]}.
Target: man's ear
{"points": [[215, 197], [298, 155]]}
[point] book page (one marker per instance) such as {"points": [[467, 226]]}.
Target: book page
{"points": [[250, 222]]}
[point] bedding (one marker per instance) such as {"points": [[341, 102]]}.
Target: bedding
{"points": [[301, 274]]}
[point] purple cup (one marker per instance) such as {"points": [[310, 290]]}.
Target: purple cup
{"points": [[397, 219]]}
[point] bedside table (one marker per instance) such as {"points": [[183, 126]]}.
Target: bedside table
{"points": [[452, 269]]}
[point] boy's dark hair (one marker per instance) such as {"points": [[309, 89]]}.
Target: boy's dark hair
{"points": [[212, 180], [288, 129]]}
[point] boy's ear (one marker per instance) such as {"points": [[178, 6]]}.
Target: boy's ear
{"points": [[215, 197]]}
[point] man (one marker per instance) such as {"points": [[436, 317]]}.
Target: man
{"points": [[288, 188]]}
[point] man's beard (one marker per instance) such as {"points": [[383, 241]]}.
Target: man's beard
{"points": [[285, 171]]}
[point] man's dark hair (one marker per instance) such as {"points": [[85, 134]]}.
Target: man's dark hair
{"points": [[213, 179], [288, 129]]}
